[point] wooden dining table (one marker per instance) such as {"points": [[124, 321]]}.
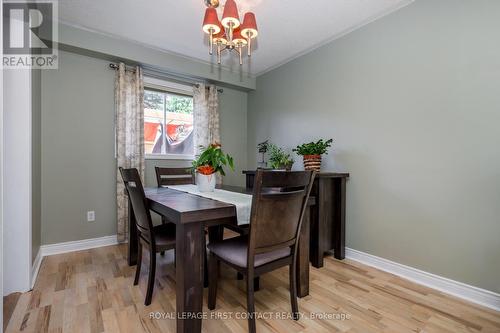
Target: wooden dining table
{"points": [[192, 214]]}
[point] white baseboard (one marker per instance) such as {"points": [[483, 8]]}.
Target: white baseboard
{"points": [[36, 267], [50, 249], [473, 294], [84, 244]]}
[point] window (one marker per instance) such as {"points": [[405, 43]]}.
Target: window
{"points": [[168, 121]]}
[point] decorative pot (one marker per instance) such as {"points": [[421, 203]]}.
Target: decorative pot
{"points": [[206, 183], [312, 162]]}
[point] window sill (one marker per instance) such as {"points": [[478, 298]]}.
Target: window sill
{"points": [[179, 157]]}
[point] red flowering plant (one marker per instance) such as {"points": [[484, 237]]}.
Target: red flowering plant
{"points": [[212, 159]]}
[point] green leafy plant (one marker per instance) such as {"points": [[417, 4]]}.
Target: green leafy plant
{"points": [[319, 147], [278, 158], [212, 159]]}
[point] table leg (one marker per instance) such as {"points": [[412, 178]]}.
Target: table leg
{"points": [[339, 223], [303, 257], [189, 277], [315, 249], [132, 237]]}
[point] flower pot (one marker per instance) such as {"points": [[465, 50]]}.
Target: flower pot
{"points": [[312, 162], [206, 183]]}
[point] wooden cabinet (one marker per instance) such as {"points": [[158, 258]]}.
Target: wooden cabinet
{"points": [[327, 214]]}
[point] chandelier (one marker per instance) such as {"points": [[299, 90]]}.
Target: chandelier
{"points": [[229, 34]]}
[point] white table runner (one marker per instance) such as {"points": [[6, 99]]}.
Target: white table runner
{"points": [[243, 202]]}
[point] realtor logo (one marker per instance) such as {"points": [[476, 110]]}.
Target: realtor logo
{"points": [[29, 34]]}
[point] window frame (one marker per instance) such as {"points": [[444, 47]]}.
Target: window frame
{"points": [[152, 83]]}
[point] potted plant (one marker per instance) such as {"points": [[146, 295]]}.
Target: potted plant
{"points": [[211, 160], [311, 153], [262, 148], [279, 159]]}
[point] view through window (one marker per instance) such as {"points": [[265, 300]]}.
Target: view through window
{"points": [[168, 123]]}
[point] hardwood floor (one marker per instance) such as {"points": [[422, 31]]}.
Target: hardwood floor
{"points": [[92, 291], [9, 304]]}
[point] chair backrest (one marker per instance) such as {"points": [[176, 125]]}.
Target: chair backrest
{"points": [[140, 206], [278, 206], [174, 176]]}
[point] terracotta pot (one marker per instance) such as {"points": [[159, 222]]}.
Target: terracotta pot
{"points": [[206, 183], [312, 162]]}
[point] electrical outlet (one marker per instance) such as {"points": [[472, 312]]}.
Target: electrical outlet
{"points": [[90, 216]]}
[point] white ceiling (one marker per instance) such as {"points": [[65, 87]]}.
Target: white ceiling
{"points": [[287, 29]]}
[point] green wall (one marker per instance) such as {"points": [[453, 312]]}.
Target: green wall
{"points": [[36, 161], [78, 164], [412, 102], [77, 141]]}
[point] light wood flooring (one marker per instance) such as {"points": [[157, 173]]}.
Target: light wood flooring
{"points": [[92, 291]]}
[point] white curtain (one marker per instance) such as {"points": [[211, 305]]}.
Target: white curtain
{"points": [[206, 117], [129, 98]]}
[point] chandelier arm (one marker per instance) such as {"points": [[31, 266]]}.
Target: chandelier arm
{"points": [[211, 42], [219, 53], [240, 54], [249, 45], [230, 32]]}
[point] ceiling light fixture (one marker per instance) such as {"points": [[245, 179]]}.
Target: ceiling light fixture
{"points": [[229, 34]]}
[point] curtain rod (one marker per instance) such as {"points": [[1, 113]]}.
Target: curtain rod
{"points": [[116, 67]]}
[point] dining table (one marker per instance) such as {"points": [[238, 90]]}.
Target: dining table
{"points": [[192, 214]]}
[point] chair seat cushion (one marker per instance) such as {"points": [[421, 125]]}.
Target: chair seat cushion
{"points": [[234, 250], [164, 235]]}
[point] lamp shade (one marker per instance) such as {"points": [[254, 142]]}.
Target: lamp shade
{"points": [[249, 26], [220, 37], [211, 21], [238, 38], [230, 15]]}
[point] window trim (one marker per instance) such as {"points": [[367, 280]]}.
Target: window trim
{"points": [[153, 83], [179, 157]]}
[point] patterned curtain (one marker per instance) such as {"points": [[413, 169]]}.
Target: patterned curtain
{"points": [[213, 115], [129, 106], [206, 117], [200, 117]]}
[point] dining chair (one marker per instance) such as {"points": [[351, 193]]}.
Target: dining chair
{"points": [[278, 204], [154, 238], [174, 176]]}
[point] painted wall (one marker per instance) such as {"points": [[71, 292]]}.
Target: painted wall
{"points": [[36, 161], [78, 164], [412, 102], [233, 132]]}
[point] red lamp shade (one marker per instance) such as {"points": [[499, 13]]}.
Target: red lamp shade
{"points": [[230, 15], [211, 21], [249, 26], [220, 37], [238, 38]]}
